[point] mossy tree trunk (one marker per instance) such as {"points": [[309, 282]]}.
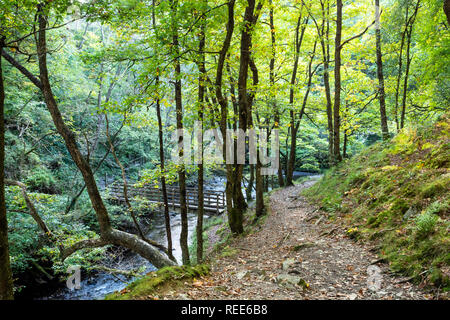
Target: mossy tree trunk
{"points": [[232, 192], [325, 43], [259, 207], [179, 110], [162, 156], [6, 283], [251, 181], [380, 74], [409, 31], [201, 100], [337, 84], [299, 34], [447, 10], [272, 84]]}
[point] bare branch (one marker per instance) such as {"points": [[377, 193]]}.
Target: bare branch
{"points": [[359, 34]]}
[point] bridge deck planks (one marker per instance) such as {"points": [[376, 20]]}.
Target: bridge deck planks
{"points": [[214, 201]]}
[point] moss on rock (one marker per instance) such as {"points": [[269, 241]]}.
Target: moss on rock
{"points": [[149, 284], [398, 194]]}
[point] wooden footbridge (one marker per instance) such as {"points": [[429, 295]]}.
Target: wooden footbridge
{"points": [[214, 201]]}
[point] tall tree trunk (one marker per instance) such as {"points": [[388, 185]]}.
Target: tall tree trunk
{"points": [[259, 206], [381, 91], [405, 83], [337, 84], [230, 188], [163, 177], [268, 150], [447, 10], [260, 209], [295, 126], [99, 100], [326, 79], [201, 100], [344, 147], [246, 44], [399, 74], [235, 104], [272, 84], [250, 183], [6, 283], [107, 233], [324, 32], [179, 110], [162, 156], [244, 107], [298, 43], [409, 31]]}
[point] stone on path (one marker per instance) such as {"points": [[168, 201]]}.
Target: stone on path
{"points": [[292, 280]]}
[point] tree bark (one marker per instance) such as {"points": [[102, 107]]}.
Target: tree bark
{"points": [[405, 80], [233, 216], [298, 43], [162, 157], [447, 10], [337, 84], [179, 110], [239, 204], [408, 30], [77, 196], [259, 206], [344, 147], [6, 282], [324, 32], [326, 79], [272, 84], [295, 126], [163, 178], [381, 91], [31, 208], [201, 100], [251, 181], [400, 71]]}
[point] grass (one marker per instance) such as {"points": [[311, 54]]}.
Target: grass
{"points": [[163, 279], [206, 227], [396, 194]]}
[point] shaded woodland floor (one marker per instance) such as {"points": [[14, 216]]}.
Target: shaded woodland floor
{"points": [[295, 254]]}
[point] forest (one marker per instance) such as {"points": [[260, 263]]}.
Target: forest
{"points": [[121, 133]]}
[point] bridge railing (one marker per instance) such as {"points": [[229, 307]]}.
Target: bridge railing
{"points": [[214, 201]]}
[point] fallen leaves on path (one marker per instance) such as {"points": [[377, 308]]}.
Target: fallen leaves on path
{"points": [[296, 254]]}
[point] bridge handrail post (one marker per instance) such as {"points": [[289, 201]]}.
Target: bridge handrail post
{"points": [[217, 203], [187, 200], [173, 198]]}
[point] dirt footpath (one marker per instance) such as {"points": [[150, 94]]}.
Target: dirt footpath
{"points": [[297, 255]]}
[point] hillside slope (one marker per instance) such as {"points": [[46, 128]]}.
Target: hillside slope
{"points": [[396, 194]]}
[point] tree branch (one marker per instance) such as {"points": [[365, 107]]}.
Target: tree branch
{"points": [[85, 244], [359, 34], [22, 69]]}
